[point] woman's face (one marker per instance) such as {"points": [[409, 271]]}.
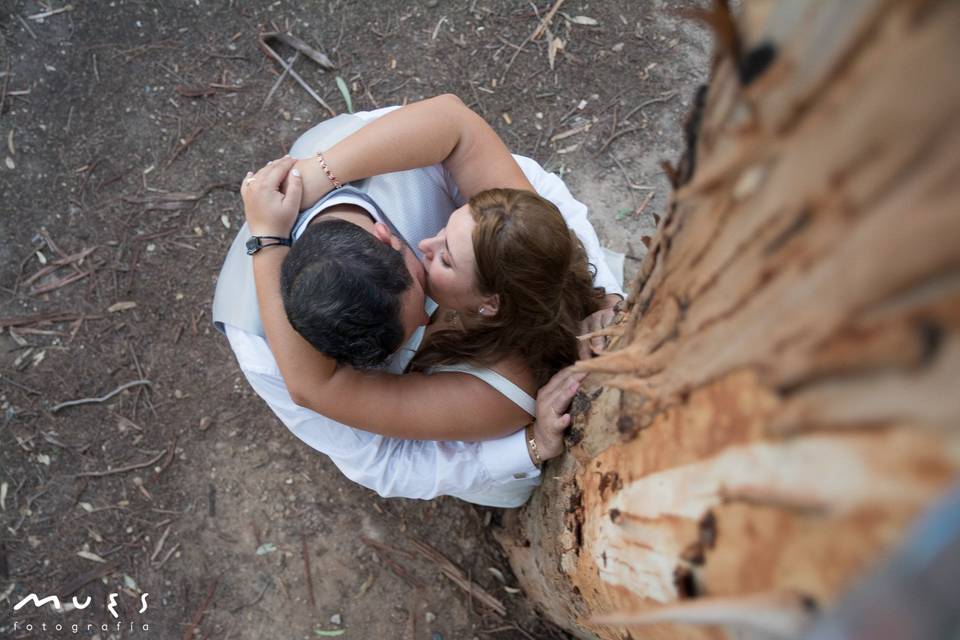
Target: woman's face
{"points": [[450, 264]]}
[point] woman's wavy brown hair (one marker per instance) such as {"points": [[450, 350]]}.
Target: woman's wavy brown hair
{"points": [[525, 254]]}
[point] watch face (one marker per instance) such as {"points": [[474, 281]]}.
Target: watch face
{"points": [[253, 243]]}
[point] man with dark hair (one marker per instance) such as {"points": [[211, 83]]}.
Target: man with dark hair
{"points": [[351, 284], [343, 292]]}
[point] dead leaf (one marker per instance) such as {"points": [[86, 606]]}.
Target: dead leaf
{"points": [[122, 306], [584, 20], [90, 556], [555, 45]]}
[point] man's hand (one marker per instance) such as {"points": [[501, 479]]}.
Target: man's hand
{"points": [[594, 322], [553, 399], [271, 198]]}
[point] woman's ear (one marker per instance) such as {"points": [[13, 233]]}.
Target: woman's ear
{"points": [[490, 305]]}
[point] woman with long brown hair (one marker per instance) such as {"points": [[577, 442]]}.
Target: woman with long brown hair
{"points": [[511, 280]]}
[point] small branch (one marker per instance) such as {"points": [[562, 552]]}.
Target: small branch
{"points": [[73, 403], [301, 47], [279, 80], [457, 576], [296, 76], [191, 630], [110, 472], [642, 105], [547, 19], [306, 568]]}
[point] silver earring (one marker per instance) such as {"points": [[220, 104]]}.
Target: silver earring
{"points": [[481, 310]]}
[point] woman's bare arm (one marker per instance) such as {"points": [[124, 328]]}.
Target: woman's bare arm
{"points": [[433, 131]]}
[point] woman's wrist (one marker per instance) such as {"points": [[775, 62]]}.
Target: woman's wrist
{"points": [[315, 182], [533, 450]]}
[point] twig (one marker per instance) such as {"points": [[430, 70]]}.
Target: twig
{"points": [[56, 264], [20, 386], [515, 54], [37, 318], [159, 547], [198, 616], [255, 600], [643, 205], [642, 105], [62, 282], [615, 136], [47, 14], [181, 147], [547, 19], [3, 90], [457, 576], [110, 472], [509, 627], [296, 76], [71, 403], [26, 26], [283, 75], [638, 187], [301, 47], [306, 568], [167, 556], [392, 564]]}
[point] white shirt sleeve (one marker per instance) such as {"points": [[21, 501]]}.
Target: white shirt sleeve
{"points": [[392, 467]]}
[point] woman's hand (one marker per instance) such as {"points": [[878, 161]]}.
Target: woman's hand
{"points": [[596, 322], [271, 198], [553, 399]]}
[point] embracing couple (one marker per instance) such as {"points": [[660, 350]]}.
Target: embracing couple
{"points": [[406, 296]]}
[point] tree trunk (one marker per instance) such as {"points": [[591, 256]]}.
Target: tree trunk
{"points": [[781, 400]]}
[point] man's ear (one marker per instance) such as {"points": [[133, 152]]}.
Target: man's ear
{"points": [[382, 233], [491, 305]]}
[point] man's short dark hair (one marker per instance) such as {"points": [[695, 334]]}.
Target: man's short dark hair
{"points": [[342, 290]]}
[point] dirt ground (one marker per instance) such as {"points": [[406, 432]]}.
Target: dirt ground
{"points": [[126, 127]]}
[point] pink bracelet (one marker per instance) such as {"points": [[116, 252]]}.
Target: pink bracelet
{"points": [[332, 178]]}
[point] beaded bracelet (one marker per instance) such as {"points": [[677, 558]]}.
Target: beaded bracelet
{"points": [[332, 178]]}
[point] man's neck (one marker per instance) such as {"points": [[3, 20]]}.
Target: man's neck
{"points": [[349, 212]]}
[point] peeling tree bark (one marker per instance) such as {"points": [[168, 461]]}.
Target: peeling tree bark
{"points": [[782, 401]]}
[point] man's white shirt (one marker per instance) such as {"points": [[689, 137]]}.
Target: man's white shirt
{"points": [[418, 468]]}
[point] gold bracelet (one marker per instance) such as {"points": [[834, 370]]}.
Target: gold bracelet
{"points": [[532, 441], [332, 178]]}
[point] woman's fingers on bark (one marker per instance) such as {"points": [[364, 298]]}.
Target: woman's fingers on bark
{"points": [[556, 382], [564, 396]]}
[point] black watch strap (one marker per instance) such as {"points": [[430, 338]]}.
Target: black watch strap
{"points": [[255, 243]]}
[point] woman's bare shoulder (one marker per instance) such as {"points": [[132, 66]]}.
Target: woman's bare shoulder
{"points": [[515, 370]]}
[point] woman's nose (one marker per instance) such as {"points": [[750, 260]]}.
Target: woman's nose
{"points": [[426, 246]]}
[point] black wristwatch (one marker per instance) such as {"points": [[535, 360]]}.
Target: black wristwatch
{"points": [[255, 243]]}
